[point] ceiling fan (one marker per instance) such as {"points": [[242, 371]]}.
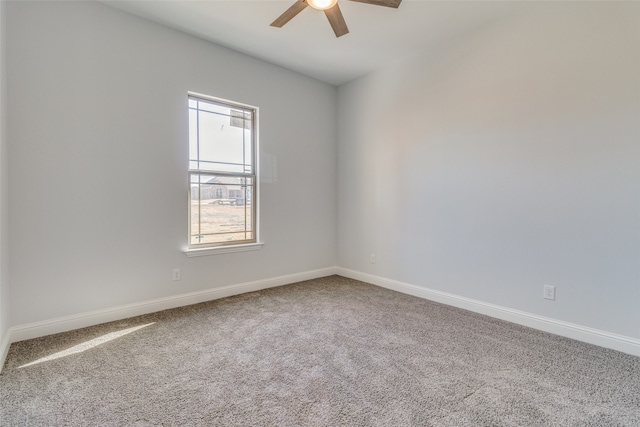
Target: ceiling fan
{"points": [[331, 9]]}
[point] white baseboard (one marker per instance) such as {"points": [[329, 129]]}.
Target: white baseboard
{"points": [[82, 320], [4, 348], [581, 333], [68, 323]]}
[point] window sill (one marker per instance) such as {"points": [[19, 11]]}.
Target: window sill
{"points": [[223, 250]]}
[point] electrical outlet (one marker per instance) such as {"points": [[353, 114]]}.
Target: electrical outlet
{"points": [[176, 274], [373, 258], [549, 292]]}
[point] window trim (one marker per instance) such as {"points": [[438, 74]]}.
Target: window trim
{"points": [[232, 246], [226, 249]]}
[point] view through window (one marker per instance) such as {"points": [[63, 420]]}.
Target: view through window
{"points": [[222, 173]]}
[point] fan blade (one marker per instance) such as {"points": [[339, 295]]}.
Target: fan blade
{"points": [[337, 20], [290, 13], [387, 3]]}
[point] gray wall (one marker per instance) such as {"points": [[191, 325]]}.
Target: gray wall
{"points": [[503, 161], [4, 183], [98, 146], [506, 160]]}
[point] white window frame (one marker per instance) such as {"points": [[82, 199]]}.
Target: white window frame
{"points": [[230, 246]]}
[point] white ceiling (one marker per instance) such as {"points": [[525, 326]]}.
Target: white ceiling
{"points": [[307, 44]]}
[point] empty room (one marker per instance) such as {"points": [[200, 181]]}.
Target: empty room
{"points": [[319, 213]]}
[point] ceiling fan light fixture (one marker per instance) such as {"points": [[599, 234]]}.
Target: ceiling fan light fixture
{"points": [[331, 9], [322, 4]]}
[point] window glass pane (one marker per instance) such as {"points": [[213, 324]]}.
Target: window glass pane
{"points": [[193, 138], [231, 237], [221, 146], [221, 209], [214, 108], [213, 179], [248, 151]]}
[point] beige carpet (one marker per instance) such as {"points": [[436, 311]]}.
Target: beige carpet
{"points": [[326, 352]]}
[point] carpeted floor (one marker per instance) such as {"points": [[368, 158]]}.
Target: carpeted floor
{"points": [[326, 352]]}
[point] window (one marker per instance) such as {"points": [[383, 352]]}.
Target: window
{"points": [[222, 173]]}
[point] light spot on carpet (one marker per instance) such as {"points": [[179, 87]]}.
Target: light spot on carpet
{"points": [[86, 345]]}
